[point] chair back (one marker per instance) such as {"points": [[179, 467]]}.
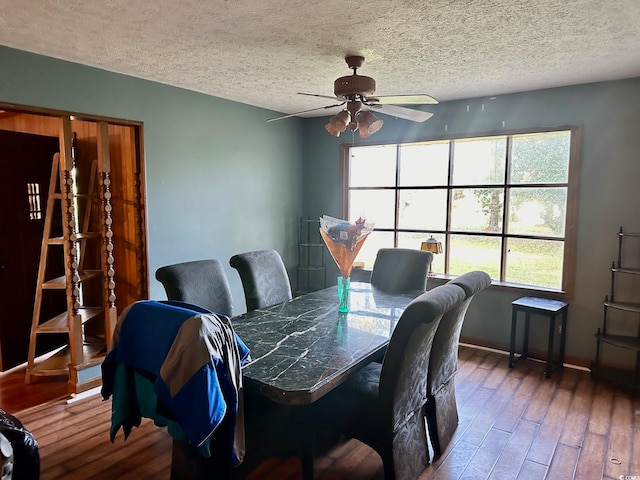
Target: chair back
{"points": [[444, 353], [180, 367], [401, 269], [403, 380], [199, 282], [264, 278]]}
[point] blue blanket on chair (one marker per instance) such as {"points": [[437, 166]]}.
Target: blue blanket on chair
{"points": [[179, 365]]}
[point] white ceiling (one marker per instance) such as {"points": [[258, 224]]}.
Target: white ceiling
{"points": [[261, 52]]}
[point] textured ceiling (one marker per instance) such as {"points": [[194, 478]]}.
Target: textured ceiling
{"points": [[261, 52]]}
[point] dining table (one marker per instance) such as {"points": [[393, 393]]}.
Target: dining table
{"points": [[303, 348]]}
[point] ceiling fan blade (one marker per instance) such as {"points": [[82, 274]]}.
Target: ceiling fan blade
{"points": [[403, 112], [316, 95], [404, 100], [304, 111]]}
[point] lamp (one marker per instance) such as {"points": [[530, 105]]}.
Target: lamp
{"points": [[368, 124], [338, 123], [353, 117], [431, 245]]}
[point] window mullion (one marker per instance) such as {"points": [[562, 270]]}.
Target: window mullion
{"points": [[505, 210], [447, 250], [396, 220]]}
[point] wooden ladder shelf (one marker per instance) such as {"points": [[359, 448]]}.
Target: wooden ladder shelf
{"points": [[90, 315]]}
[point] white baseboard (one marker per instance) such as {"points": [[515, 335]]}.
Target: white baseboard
{"points": [[82, 395]]}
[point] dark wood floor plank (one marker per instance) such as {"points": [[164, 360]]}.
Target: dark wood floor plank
{"points": [[515, 451], [464, 352], [636, 410], [592, 457], [510, 416], [619, 456], [465, 373], [326, 461], [492, 360], [634, 464], [600, 415], [486, 456], [483, 417], [532, 471], [578, 414], [16, 396], [454, 463], [539, 403], [569, 377], [545, 442], [564, 462], [363, 462], [497, 374]]}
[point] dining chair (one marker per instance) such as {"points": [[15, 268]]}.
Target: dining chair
{"points": [[383, 405], [401, 269], [442, 410], [179, 365], [199, 282], [264, 278]]}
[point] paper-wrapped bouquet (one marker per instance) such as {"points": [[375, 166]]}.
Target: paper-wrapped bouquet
{"points": [[344, 240]]}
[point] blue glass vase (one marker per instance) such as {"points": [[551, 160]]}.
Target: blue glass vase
{"points": [[343, 293]]}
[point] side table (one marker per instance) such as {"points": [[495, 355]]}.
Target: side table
{"points": [[544, 307]]}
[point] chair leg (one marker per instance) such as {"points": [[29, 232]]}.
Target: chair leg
{"points": [[442, 417]]}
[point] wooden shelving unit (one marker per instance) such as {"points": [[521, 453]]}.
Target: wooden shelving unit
{"points": [[620, 319], [90, 316]]}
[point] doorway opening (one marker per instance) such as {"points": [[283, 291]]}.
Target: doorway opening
{"points": [[29, 137]]}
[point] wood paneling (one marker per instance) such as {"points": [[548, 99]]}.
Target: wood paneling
{"points": [[129, 239], [29, 123]]}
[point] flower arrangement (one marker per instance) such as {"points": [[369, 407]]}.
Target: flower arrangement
{"points": [[344, 241]]}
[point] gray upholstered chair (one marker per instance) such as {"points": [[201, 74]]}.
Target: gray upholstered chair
{"points": [[442, 410], [199, 282], [264, 278], [401, 269], [383, 405]]}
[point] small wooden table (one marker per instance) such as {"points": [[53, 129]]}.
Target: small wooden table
{"points": [[544, 307]]}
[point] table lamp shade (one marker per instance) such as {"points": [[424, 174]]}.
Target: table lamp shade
{"points": [[431, 245]]}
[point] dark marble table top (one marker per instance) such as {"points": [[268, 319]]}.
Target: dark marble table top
{"points": [[303, 348]]}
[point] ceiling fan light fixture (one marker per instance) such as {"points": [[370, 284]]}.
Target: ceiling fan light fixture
{"points": [[332, 130], [368, 124], [338, 123], [357, 91]]}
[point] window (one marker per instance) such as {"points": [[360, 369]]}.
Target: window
{"points": [[504, 204], [33, 197]]}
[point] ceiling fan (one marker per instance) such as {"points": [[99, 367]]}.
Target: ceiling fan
{"points": [[357, 92]]}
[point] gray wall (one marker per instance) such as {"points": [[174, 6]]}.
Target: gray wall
{"points": [[219, 179], [608, 192]]}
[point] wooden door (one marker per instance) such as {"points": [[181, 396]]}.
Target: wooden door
{"points": [[25, 163]]}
